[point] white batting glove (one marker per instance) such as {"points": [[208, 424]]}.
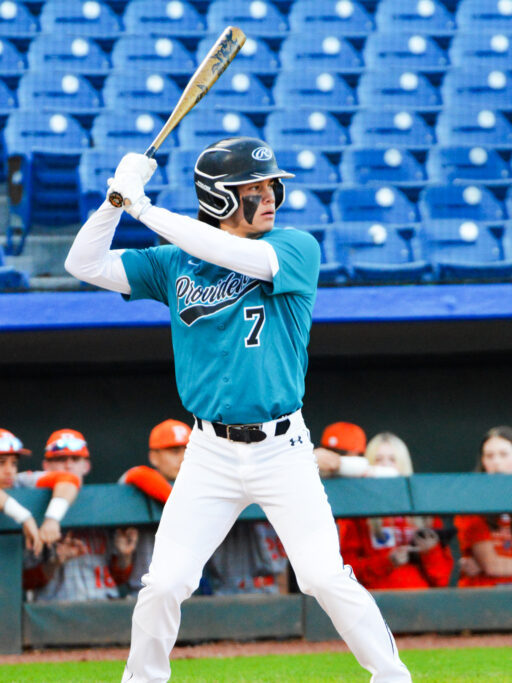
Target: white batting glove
{"points": [[137, 165], [131, 189]]}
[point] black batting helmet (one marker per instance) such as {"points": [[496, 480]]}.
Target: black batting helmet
{"points": [[231, 162]]}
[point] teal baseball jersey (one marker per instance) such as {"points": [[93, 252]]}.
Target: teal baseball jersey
{"points": [[240, 345]]}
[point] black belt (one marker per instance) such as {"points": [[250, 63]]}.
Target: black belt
{"points": [[245, 433]]}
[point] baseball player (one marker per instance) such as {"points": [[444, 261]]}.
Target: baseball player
{"points": [[64, 487], [240, 300]]}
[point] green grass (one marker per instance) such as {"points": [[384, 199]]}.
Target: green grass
{"points": [[465, 665]]}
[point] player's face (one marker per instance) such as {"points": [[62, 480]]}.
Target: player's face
{"points": [[497, 456], [168, 461], [8, 470], [256, 213], [75, 464], [386, 456]]}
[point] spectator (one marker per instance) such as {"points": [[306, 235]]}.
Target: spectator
{"points": [[338, 440], [64, 487], [395, 552], [86, 564], [486, 540]]}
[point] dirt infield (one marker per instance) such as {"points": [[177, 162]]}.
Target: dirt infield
{"points": [[236, 649]]}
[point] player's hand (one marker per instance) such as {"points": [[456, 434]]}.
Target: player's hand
{"points": [[33, 540], [399, 555], [131, 188], [50, 531], [69, 548], [125, 541], [328, 462], [137, 165], [425, 539], [469, 566]]}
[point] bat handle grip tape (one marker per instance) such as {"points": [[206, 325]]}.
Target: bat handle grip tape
{"points": [[115, 198]]}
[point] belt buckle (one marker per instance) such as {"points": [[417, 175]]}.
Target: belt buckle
{"points": [[240, 433]]}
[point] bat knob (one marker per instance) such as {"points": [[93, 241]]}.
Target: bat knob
{"points": [[116, 199]]}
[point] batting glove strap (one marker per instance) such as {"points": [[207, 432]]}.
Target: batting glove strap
{"points": [[138, 165]]}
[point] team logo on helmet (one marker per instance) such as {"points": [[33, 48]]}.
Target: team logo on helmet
{"points": [[262, 154]]}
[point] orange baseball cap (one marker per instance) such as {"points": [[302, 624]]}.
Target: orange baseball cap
{"points": [[66, 442], [11, 445], [169, 434], [344, 436]]}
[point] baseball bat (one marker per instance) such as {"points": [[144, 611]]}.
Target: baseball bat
{"points": [[213, 65]]}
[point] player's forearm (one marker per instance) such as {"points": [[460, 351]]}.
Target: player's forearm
{"points": [[10, 507], [90, 258], [254, 258]]}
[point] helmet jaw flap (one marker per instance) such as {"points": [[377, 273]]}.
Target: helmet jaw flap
{"points": [[223, 166]]}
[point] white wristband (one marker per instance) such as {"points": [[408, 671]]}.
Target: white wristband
{"points": [[57, 508], [16, 511]]}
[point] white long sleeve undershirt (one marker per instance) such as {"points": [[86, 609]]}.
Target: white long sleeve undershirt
{"points": [[90, 258]]}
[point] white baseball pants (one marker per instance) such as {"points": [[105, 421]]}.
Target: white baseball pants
{"points": [[217, 480]]}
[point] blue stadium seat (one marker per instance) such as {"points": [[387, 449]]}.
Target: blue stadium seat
{"points": [[467, 165], [128, 131], [94, 19], [463, 203], [397, 89], [182, 199], [426, 17], [168, 18], [377, 252], [313, 90], [96, 166], [311, 168], [298, 129], [16, 21], [390, 166], [180, 166], [12, 280], [256, 18], [302, 208], [371, 204], [241, 91], [59, 91], [330, 17], [255, 57], [43, 152], [140, 91], [72, 54], [12, 62], [8, 101], [374, 128], [470, 127], [480, 16], [204, 127], [477, 88], [404, 50], [152, 53], [465, 249], [330, 270], [323, 53], [491, 50]]}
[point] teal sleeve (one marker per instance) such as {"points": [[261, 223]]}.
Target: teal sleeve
{"points": [[148, 272], [298, 255]]}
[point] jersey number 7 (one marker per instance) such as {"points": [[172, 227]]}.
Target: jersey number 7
{"points": [[256, 313]]}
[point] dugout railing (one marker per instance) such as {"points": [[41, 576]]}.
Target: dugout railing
{"points": [[59, 624]]}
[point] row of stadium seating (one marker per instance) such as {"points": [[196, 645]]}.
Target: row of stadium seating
{"points": [[258, 18]]}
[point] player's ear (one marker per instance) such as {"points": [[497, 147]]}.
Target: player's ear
{"points": [[153, 457]]}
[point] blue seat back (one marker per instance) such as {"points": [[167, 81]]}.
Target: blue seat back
{"points": [[317, 90], [426, 17], [310, 167], [470, 202], [380, 205], [407, 51], [12, 62], [379, 128], [480, 16], [448, 164], [180, 166], [98, 165], [8, 100], [256, 19], [298, 129], [329, 53], [240, 91], [140, 91], [203, 127], [348, 18], [57, 91], [163, 18], [72, 54], [397, 89], [126, 131], [368, 165], [377, 243], [492, 50], [94, 19], [16, 21], [182, 199], [477, 88], [152, 53], [302, 208], [465, 243], [484, 127], [255, 56], [29, 131]]}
